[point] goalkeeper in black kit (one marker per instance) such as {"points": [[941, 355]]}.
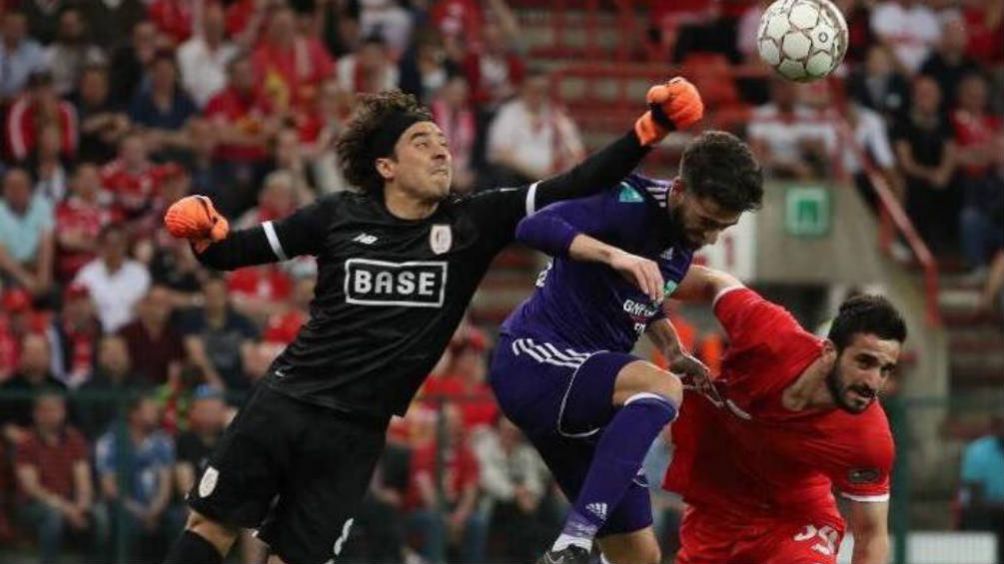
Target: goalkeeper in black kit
{"points": [[398, 262]]}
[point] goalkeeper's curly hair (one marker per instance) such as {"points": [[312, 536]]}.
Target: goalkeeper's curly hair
{"points": [[353, 146]]}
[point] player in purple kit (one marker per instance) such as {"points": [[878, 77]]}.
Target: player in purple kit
{"points": [[563, 371]]}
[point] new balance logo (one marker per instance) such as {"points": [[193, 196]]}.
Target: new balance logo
{"points": [[598, 509], [365, 239], [668, 253]]}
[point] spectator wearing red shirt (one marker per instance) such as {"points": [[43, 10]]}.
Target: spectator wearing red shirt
{"points": [[40, 105], [369, 69], [17, 319], [463, 383], [173, 19], [154, 340], [452, 111], [456, 520], [985, 21], [80, 218], [55, 483], [75, 334], [132, 179], [241, 115], [977, 135], [949, 63], [288, 64], [281, 328], [460, 21]]}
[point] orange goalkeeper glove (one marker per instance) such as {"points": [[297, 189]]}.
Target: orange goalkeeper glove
{"points": [[194, 218], [674, 105]]}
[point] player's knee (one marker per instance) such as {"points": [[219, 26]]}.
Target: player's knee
{"points": [[645, 378], [216, 533]]}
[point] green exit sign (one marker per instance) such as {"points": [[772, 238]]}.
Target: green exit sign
{"points": [[807, 211]]}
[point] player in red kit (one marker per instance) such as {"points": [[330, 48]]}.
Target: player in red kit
{"points": [[791, 421]]}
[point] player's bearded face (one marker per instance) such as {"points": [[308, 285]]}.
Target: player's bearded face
{"points": [[423, 165], [861, 371], [699, 221]]}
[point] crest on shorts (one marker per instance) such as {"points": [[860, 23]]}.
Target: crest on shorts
{"points": [[440, 238], [208, 482]]}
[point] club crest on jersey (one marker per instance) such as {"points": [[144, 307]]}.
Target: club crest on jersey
{"points": [[382, 283], [208, 482], [440, 238]]}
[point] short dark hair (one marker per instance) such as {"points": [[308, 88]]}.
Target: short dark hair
{"points": [[720, 166], [353, 147], [869, 314]]}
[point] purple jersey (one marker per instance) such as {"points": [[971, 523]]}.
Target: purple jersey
{"points": [[587, 305]]}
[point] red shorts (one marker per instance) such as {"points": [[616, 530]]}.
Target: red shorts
{"points": [[709, 538]]}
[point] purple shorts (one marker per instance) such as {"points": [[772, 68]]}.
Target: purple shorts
{"points": [[562, 399]]}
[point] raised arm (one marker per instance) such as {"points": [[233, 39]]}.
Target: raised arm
{"points": [[673, 105], [194, 218]]}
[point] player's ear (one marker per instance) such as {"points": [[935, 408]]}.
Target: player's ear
{"points": [[829, 350], [676, 191], [385, 168]]}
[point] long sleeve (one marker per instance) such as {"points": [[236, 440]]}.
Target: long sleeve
{"points": [[301, 233], [552, 229]]}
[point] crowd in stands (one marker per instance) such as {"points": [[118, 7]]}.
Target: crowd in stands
{"points": [[121, 358]]}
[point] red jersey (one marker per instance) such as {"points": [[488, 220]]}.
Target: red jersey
{"points": [[173, 18], [133, 192], [78, 216], [22, 129], [289, 76], [282, 328], [266, 282], [245, 112], [752, 457], [54, 463], [460, 471], [975, 130]]}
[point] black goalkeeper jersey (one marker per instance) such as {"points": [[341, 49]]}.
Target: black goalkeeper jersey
{"points": [[391, 292]]}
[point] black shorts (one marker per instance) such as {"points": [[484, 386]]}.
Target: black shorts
{"points": [[295, 471]]}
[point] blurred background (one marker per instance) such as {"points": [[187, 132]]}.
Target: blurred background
{"points": [[121, 359]]}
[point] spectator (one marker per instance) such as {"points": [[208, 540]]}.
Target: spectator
{"points": [[426, 68], [55, 483], [102, 122], [880, 87], [115, 281], [495, 70], [145, 456], [368, 70], [982, 490], [790, 139], [173, 19], [277, 199], [203, 59], [75, 334], [109, 20], [288, 64], [131, 60], [33, 376], [388, 19], [17, 319], [42, 17], [871, 135], [218, 338], [531, 137], [71, 52], [452, 111], [46, 164], [211, 176], [175, 267], [26, 239], [132, 179], [80, 218], [514, 480], [910, 28], [102, 396], [241, 116], [950, 63], [161, 106], [289, 156], [152, 338], [20, 56], [444, 505], [281, 328], [985, 22], [319, 131], [463, 382], [40, 106], [927, 157], [460, 22], [976, 136]]}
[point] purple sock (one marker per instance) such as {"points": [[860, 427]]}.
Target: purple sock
{"points": [[619, 456]]}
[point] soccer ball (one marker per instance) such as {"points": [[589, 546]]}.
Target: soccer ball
{"points": [[803, 40]]}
